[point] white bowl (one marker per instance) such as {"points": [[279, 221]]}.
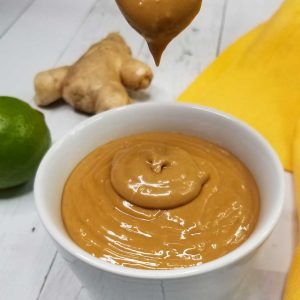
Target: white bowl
{"points": [[213, 280]]}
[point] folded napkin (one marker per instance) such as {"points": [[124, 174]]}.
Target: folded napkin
{"points": [[292, 289], [257, 79]]}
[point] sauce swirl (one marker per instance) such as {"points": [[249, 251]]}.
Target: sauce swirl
{"points": [[154, 175]]}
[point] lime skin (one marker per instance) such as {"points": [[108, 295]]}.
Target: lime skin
{"points": [[24, 139]]}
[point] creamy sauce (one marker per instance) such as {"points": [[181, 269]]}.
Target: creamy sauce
{"points": [[154, 175], [159, 21], [112, 202]]}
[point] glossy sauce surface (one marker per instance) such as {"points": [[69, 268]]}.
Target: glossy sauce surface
{"points": [[159, 21], [222, 215], [155, 175]]}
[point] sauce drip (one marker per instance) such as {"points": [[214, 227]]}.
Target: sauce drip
{"points": [[159, 21], [109, 226]]}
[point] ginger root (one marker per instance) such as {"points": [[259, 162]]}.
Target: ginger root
{"points": [[97, 81]]}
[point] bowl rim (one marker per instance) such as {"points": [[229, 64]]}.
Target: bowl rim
{"points": [[230, 258]]}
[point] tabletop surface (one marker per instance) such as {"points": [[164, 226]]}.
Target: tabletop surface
{"points": [[40, 34]]}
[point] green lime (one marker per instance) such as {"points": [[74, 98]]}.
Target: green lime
{"points": [[24, 139]]}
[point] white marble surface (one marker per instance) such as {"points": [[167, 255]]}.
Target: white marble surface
{"points": [[38, 34]]}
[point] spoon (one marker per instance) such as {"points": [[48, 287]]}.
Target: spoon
{"points": [[159, 21]]}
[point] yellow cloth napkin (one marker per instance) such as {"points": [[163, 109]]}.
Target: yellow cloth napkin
{"points": [[257, 79], [292, 289]]}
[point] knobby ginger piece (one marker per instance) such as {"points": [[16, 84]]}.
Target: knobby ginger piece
{"points": [[97, 81]]}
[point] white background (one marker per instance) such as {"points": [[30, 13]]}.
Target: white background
{"points": [[39, 34]]}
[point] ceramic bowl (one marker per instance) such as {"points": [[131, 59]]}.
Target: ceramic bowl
{"points": [[213, 280]]}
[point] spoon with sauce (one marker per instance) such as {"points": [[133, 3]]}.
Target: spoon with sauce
{"points": [[159, 21]]}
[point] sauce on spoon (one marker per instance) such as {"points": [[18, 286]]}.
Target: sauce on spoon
{"points": [[159, 21]]}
